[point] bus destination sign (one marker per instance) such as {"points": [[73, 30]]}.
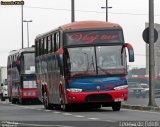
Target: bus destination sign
{"points": [[94, 37]]}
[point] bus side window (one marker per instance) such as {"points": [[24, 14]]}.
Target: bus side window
{"points": [[52, 41], [41, 46], [49, 44], [57, 41], [55, 44], [36, 48], [45, 45], [46, 48]]}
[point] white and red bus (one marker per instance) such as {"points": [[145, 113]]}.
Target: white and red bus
{"points": [[21, 78], [82, 63]]}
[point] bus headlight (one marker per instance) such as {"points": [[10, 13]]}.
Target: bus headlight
{"points": [[74, 90], [121, 87]]}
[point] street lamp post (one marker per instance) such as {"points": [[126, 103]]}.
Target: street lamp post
{"points": [[22, 23], [27, 21], [106, 7], [72, 11]]}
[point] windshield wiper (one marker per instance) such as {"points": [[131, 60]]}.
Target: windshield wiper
{"points": [[103, 70]]}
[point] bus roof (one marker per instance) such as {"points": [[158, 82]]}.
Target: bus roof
{"points": [[89, 25], [82, 25], [30, 49]]}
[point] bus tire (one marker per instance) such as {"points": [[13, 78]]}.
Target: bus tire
{"points": [[64, 106], [13, 100], [46, 101], [9, 99], [2, 98], [22, 101], [116, 106]]}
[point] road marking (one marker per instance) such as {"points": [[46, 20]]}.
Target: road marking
{"points": [[40, 125], [56, 112], [38, 109], [47, 110], [111, 121], [79, 116], [67, 114], [93, 118]]}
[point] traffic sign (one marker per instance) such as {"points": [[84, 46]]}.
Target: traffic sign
{"points": [[146, 35]]}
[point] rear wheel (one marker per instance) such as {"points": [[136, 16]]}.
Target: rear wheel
{"points": [[2, 98], [9, 99], [116, 106], [64, 106], [22, 101], [13, 100], [46, 101]]}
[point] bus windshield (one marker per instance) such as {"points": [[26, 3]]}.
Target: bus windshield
{"points": [[29, 63], [98, 60]]}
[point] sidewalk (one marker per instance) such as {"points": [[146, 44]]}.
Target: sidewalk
{"points": [[140, 107]]}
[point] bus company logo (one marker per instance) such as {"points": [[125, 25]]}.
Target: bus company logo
{"points": [[98, 88], [12, 2]]}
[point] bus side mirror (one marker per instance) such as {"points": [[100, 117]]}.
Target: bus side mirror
{"points": [[1, 84], [130, 51]]}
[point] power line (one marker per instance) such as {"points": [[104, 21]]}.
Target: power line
{"points": [[88, 11]]}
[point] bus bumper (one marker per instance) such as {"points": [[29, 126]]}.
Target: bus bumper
{"points": [[97, 96]]}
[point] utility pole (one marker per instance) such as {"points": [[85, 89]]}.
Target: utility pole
{"points": [[151, 56], [22, 22], [106, 10], [27, 30], [72, 11], [106, 7]]}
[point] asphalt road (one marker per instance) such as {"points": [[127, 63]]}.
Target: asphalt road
{"points": [[35, 115]]}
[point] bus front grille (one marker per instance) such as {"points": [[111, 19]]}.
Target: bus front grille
{"points": [[99, 98]]}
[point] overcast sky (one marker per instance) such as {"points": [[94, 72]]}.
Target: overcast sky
{"points": [[49, 14]]}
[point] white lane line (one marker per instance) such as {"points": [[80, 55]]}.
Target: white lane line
{"points": [[111, 121], [67, 114], [79, 116], [47, 110], [38, 109], [56, 112], [93, 118], [40, 125]]}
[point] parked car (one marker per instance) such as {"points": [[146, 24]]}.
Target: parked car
{"points": [[138, 89]]}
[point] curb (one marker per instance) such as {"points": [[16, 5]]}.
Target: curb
{"points": [[141, 108]]}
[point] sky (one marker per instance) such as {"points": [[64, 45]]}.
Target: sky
{"points": [[49, 14]]}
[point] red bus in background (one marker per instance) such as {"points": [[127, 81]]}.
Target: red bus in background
{"points": [[21, 78], [82, 63]]}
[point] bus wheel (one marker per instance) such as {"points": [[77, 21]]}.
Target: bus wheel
{"points": [[9, 99], [13, 100], [116, 106], [2, 98], [46, 101], [22, 101], [64, 106]]}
